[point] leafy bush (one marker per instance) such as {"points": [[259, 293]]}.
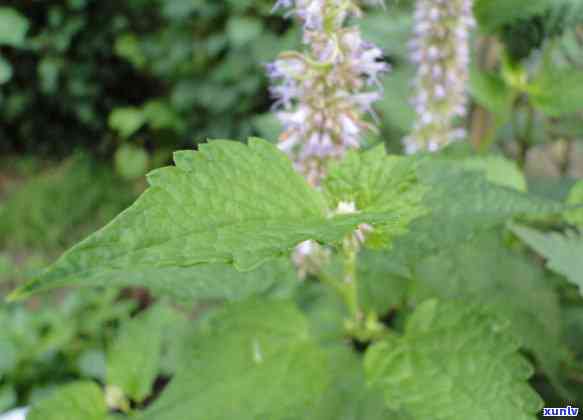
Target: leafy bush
{"points": [[444, 287], [436, 254]]}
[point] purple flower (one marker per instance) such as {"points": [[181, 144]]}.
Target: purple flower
{"points": [[323, 94], [440, 49]]}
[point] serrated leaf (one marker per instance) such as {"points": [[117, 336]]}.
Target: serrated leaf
{"points": [[575, 198], [563, 252], [228, 203], [80, 400], [484, 270], [461, 204], [453, 362], [378, 183], [133, 361], [255, 360], [13, 27]]}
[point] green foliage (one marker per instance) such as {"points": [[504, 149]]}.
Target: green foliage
{"points": [[494, 14], [13, 27], [215, 206], [461, 204], [57, 340], [253, 360], [82, 400], [214, 232], [497, 169], [485, 270], [130, 366], [431, 371], [88, 62], [348, 397], [56, 208], [131, 162], [575, 198], [377, 183], [558, 92], [563, 252], [491, 91]]}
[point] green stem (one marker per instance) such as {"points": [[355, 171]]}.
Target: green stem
{"points": [[350, 276]]}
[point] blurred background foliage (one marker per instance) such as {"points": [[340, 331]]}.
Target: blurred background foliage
{"points": [[95, 93]]}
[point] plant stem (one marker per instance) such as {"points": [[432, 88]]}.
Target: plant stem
{"points": [[350, 277]]}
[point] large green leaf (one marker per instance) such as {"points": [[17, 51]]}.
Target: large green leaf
{"points": [[453, 362], [228, 203], [563, 252], [13, 27], [486, 271], [463, 203], [254, 360], [80, 400]]}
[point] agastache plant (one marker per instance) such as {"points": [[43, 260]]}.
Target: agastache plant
{"points": [[440, 51], [322, 95]]}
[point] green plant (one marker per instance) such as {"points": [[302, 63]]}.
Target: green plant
{"points": [[415, 288]]}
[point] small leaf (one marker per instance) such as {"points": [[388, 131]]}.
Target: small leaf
{"points": [[242, 30], [131, 161], [490, 91], [13, 27], [563, 252], [453, 362], [127, 121], [254, 360], [134, 359], [80, 400], [128, 46]]}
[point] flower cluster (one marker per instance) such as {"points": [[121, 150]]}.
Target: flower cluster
{"points": [[440, 51], [322, 95]]}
